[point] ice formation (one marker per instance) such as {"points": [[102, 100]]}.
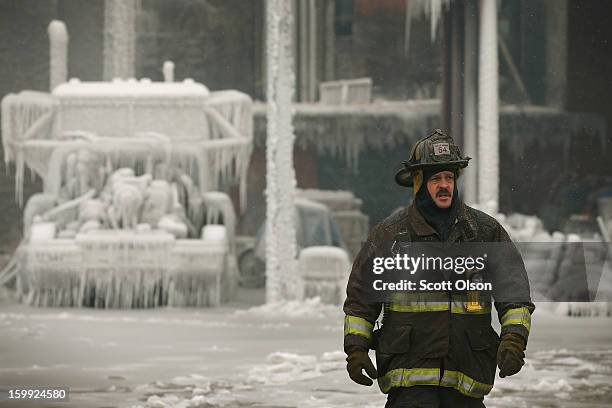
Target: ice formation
{"points": [[168, 70], [281, 247], [325, 272], [123, 269], [556, 270], [312, 308], [129, 170], [58, 53], [488, 105], [430, 8], [96, 250], [208, 135], [119, 38], [283, 367]]}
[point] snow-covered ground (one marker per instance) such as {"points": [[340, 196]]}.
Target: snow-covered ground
{"points": [[284, 355]]}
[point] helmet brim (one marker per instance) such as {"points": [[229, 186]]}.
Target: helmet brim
{"points": [[404, 176]]}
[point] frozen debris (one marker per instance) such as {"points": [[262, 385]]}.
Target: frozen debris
{"points": [[550, 260], [209, 135], [20, 113], [192, 391], [194, 380], [325, 271], [546, 376], [157, 270], [166, 401], [332, 361], [309, 308], [335, 200], [522, 228], [283, 367]]}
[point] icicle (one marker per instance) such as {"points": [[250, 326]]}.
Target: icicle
{"points": [[19, 175], [432, 9]]}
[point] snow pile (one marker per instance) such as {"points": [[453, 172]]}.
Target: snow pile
{"points": [[561, 267], [309, 308], [284, 367], [521, 227], [191, 391], [197, 391], [223, 398], [545, 375], [332, 360]]}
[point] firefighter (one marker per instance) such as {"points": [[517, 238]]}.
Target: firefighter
{"points": [[437, 349]]}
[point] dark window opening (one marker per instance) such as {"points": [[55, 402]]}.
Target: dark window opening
{"points": [[344, 17]]}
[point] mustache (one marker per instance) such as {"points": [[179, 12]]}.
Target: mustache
{"points": [[443, 191]]}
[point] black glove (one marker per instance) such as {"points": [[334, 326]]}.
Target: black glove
{"points": [[358, 360], [510, 354]]}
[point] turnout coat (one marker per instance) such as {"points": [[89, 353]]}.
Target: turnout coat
{"points": [[436, 338]]}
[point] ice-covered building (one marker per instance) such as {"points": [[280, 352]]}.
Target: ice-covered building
{"points": [[407, 75]]}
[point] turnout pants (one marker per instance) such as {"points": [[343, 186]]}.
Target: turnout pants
{"points": [[428, 396]]}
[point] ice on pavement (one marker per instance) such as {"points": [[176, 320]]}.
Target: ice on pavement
{"points": [[283, 367], [583, 378], [288, 355], [548, 378], [308, 308]]}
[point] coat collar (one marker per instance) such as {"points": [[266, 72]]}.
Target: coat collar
{"points": [[465, 223]]}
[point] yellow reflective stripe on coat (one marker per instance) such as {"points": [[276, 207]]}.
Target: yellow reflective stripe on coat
{"points": [[465, 384], [357, 325], [519, 315], [419, 302], [433, 302], [407, 377]]}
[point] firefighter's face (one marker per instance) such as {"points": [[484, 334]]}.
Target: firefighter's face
{"points": [[440, 187]]}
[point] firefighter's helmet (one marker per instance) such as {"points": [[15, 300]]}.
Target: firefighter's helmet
{"points": [[434, 151]]}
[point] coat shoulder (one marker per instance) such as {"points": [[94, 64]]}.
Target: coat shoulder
{"points": [[485, 223], [393, 222], [482, 218]]}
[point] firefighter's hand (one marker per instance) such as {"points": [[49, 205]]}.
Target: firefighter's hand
{"points": [[510, 354], [358, 360]]}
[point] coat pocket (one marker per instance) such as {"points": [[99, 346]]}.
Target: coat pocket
{"points": [[393, 342], [483, 343], [395, 339], [483, 339]]}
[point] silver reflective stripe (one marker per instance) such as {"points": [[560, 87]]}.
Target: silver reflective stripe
{"points": [[422, 377], [397, 378], [357, 325], [465, 384], [408, 377], [520, 316]]}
